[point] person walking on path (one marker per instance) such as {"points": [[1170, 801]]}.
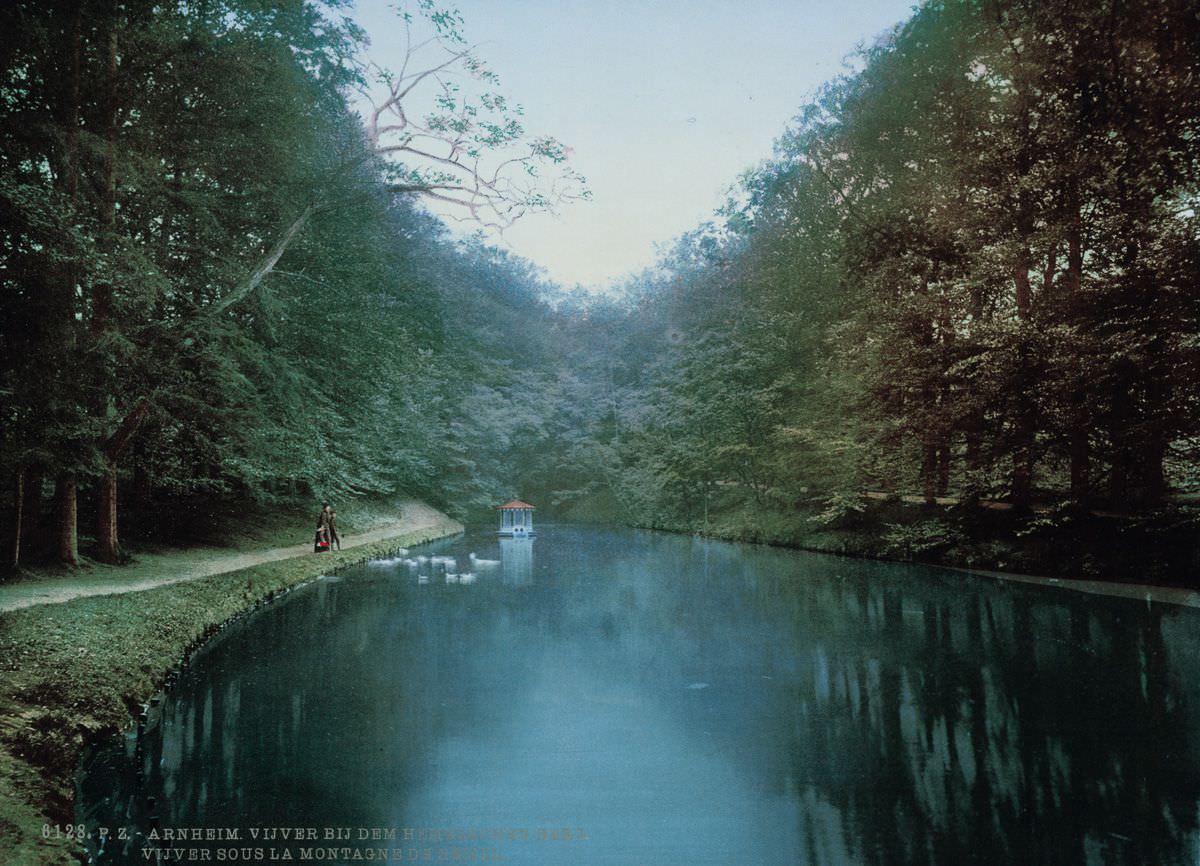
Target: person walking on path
{"points": [[324, 528], [334, 538], [166, 569]]}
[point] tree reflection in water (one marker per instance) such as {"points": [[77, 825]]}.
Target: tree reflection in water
{"points": [[860, 713]]}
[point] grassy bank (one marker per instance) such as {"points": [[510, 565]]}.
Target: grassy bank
{"points": [[1161, 549], [74, 673], [154, 536]]}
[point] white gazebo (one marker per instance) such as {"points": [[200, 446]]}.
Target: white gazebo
{"points": [[516, 519]]}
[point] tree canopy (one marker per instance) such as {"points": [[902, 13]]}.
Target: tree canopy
{"points": [[967, 274], [218, 275]]}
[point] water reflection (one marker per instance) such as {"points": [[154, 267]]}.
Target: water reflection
{"points": [[684, 701], [517, 557]]}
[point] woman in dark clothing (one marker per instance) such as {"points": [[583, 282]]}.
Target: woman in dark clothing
{"points": [[334, 538], [324, 529]]}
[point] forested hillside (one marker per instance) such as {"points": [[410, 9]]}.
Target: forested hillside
{"points": [[218, 280], [966, 277]]}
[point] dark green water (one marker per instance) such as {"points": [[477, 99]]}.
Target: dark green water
{"points": [[665, 701]]}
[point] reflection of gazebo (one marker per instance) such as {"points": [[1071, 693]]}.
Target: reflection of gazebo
{"points": [[516, 519]]}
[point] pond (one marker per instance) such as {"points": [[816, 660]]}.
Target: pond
{"points": [[602, 696]]}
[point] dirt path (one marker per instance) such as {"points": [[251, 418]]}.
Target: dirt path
{"points": [[159, 569]]}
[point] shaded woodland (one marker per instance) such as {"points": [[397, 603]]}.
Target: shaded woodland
{"points": [[218, 281], [966, 277]]}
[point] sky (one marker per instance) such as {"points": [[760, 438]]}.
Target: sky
{"points": [[663, 102]]}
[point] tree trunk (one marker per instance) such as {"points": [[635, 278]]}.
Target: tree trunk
{"points": [[14, 557], [108, 546], [66, 520], [107, 539], [64, 342]]}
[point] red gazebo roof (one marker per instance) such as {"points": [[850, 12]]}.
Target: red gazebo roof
{"points": [[515, 504]]}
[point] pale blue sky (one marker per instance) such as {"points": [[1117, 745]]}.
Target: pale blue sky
{"points": [[665, 103]]}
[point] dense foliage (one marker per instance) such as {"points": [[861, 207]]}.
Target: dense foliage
{"points": [[967, 275], [217, 284]]}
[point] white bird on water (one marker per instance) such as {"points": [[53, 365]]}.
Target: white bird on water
{"points": [[475, 560], [469, 577]]}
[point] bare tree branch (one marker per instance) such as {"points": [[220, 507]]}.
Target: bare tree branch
{"points": [[454, 140]]}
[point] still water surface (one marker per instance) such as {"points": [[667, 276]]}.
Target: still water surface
{"points": [[615, 697]]}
